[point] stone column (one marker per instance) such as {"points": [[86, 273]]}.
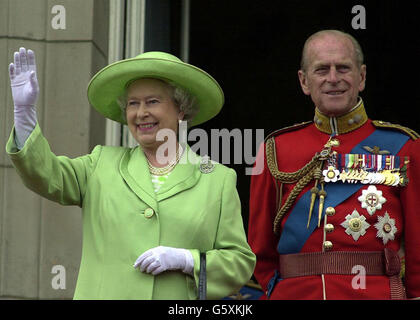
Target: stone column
{"points": [[70, 40]]}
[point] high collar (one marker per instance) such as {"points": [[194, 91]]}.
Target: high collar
{"points": [[350, 121]]}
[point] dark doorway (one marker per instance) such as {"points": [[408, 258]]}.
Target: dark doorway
{"points": [[253, 49]]}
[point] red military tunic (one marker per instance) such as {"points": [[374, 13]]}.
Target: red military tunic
{"points": [[397, 206]]}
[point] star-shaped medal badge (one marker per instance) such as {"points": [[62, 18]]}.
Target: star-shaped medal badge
{"points": [[386, 228], [355, 225], [371, 199]]}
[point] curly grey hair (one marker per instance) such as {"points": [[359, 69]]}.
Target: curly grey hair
{"points": [[181, 97]]}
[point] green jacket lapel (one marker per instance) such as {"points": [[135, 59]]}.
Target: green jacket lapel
{"points": [[134, 170], [184, 176]]}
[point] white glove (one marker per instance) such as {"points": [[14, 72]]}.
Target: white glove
{"points": [[159, 259], [25, 91]]}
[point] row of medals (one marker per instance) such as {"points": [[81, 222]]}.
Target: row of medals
{"points": [[359, 174]]}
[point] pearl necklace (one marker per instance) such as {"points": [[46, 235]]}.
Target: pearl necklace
{"points": [[168, 168]]}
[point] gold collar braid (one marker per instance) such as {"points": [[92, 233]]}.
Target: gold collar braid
{"points": [[342, 124]]}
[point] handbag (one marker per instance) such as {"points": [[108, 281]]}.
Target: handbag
{"points": [[202, 278]]}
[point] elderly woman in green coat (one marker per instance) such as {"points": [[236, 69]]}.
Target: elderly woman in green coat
{"points": [[148, 212]]}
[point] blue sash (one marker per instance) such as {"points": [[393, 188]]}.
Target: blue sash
{"points": [[295, 233]]}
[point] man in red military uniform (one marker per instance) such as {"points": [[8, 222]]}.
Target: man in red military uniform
{"points": [[336, 208]]}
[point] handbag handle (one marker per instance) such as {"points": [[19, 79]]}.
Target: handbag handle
{"points": [[202, 281]]}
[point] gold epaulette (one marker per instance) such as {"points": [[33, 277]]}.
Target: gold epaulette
{"points": [[287, 129], [382, 124]]}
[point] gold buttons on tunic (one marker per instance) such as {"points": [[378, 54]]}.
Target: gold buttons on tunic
{"points": [[149, 212], [330, 211], [327, 245], [329, 228]]}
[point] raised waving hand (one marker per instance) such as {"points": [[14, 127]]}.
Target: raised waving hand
{"points": [[25, 90]]}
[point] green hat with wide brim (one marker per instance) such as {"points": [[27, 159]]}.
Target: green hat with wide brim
{"points": [[110, 83]]}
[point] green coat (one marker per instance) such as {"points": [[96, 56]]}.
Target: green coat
{"points": [[192, 210]]}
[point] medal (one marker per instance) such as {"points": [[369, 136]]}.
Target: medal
{"points": [[355, 225], [331, 174], [367, 169], [371, 199], [386, 228], [368, 178]]}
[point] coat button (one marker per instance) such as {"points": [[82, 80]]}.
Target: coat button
{"points": [[329, 228], [327, 245], [149, 212], [330, 211]]}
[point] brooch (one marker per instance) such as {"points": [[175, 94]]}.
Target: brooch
{"points": [[206, 166]]}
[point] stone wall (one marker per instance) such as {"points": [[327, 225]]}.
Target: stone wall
{"points": [[37, 234]]}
